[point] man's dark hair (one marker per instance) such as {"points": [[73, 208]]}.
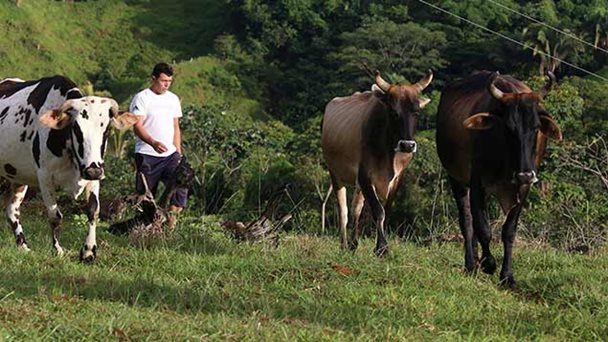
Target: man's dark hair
{"points": [[162, 68]]}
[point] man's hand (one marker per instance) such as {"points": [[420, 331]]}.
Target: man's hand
{"points": [[159, 147]]}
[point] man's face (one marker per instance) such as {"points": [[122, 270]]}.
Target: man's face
{"points": [[161, 83]]}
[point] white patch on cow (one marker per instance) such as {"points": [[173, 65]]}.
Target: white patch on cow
{"points": [[91, 238], [12, 79], [12, 212], [12, 150], [93, 117]]}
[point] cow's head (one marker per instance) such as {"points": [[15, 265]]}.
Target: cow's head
{"points": [[88, 120], [524, 119], [404, 102]]}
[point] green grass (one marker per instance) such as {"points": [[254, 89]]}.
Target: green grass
{"points": [[112, 44], [198, 283]]}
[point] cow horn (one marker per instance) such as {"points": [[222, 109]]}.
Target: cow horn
{"points": [[423, 83], [113, 108], [385, 86], [497, 93], [545, 90]]}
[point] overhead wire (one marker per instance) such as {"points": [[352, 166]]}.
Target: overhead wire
{"points": [[526, 46], [570, 35]]}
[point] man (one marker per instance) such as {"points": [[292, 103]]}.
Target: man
{"points": [[158, 145]]}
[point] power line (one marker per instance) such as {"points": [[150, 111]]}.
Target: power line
{"points": [[512, 40], [547, 25]]}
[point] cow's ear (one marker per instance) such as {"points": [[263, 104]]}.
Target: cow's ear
{"points": [[55, 119], [480, 121], [423, 101], [549, 127], [124, 120]]}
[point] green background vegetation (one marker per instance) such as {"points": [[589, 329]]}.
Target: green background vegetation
{"points": [[254, 77]]}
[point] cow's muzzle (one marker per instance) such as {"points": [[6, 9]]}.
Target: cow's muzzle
{"points": [[526, 177], [92, 173], [406, 146]]}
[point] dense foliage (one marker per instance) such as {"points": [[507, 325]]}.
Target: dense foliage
{"points": [[255, 75]]}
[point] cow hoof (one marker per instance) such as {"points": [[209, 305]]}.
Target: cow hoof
{"points": [[488, 265], [381, 252], [23, 247], [59, 251], [88, 255], [508, 281], [470, 267], [352, 245]]}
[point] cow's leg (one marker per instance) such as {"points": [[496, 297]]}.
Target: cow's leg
{"points": [[509, 229], [357, 205], [480, 225], [16, 196], [392, 192], [88, 252], [465, 221], [340, 192], [378, 212], [54, 214]]}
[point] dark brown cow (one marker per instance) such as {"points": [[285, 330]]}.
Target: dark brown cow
{"points": [[491, 135], [368, 140]]}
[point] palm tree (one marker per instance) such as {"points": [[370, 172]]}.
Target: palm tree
{"points": [[550, 46]]}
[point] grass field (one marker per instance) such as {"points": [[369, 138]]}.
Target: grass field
{"points": [[198, 283]]}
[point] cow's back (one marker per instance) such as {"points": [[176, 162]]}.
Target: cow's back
{"points": [[460, 100], [21, 103], [342, 133]]}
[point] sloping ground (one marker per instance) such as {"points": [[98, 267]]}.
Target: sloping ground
{"points": [[43, 38], [198, 283], [112, 44]]}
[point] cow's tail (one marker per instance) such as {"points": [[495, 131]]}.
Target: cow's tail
{"points": [[323, 205]]}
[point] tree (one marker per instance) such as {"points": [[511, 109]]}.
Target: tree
{"points": [[405, 49], [550, 46]]}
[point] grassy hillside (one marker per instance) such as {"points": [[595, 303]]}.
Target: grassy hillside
{"points": [[198, 283], [112, 44], [43, 38]]}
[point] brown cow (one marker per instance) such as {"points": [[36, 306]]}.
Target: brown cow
{"points": [[491, 135], [368, 141]]}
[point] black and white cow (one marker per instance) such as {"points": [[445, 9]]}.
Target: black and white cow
{"points": [[54, 137]]}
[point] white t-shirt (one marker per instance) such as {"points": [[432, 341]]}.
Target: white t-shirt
{"points": [[159, 112]]}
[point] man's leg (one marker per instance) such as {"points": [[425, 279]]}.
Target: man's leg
{"points": [[180, 195], [178, 203], [148, 167], [172, 217]]}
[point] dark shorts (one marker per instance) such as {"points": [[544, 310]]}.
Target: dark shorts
{"points": [[159, 169]]}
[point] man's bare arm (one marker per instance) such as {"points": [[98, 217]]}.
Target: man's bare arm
{"points": [[177, 136]]}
